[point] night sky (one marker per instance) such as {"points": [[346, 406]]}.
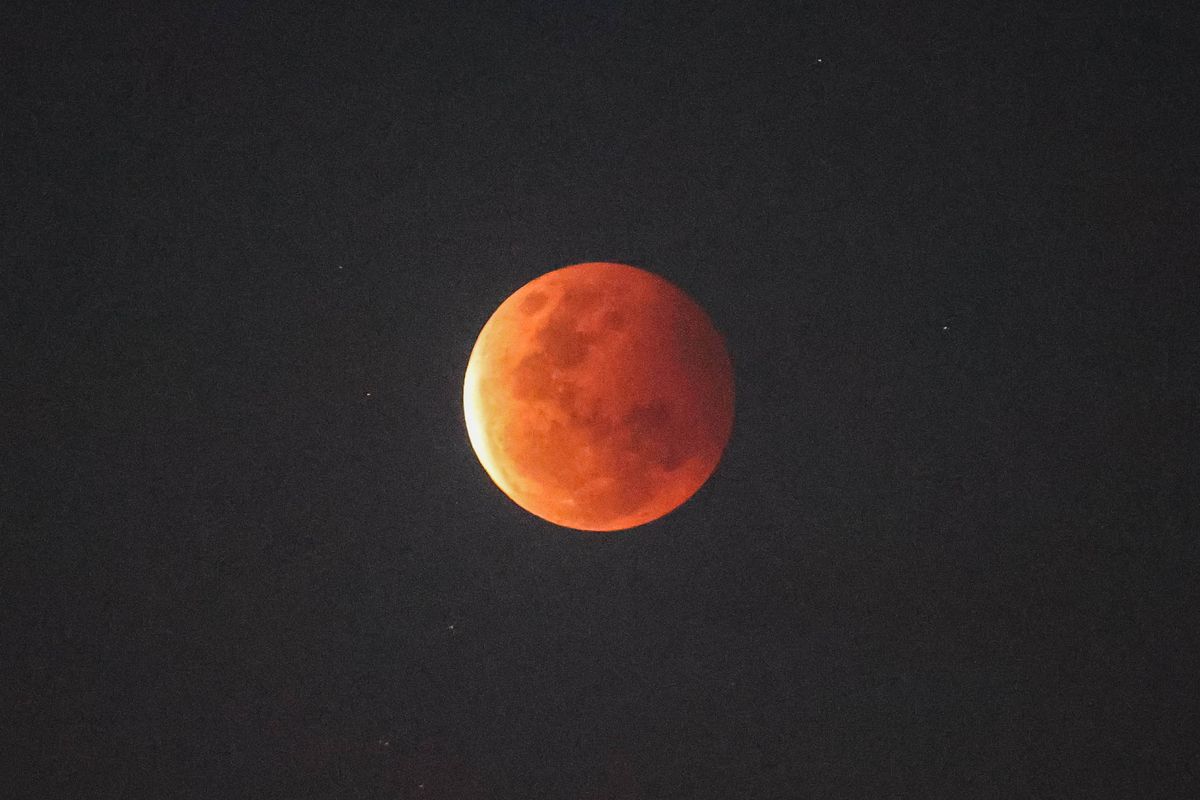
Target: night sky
{"points": [[951, 550]]}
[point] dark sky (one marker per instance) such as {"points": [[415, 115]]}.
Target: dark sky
{"points": [[951, 551]]}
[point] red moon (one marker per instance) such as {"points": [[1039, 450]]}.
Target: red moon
{"points": [[599, 397]]}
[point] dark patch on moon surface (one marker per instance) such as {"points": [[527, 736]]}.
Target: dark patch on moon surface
{"points": [[533, 302]]}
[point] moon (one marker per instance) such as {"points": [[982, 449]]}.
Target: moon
{"points": [[599, 397]]}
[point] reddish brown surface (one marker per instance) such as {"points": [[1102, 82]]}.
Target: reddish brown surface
{"points": [[599, 397]]}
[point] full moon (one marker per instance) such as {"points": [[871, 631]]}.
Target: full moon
{"points": [[599, 397]]}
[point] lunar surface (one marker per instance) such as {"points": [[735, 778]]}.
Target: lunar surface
{"points": [[599, 397]]}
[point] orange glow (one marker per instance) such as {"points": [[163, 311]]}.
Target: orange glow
{"points": [[599, 397]]}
